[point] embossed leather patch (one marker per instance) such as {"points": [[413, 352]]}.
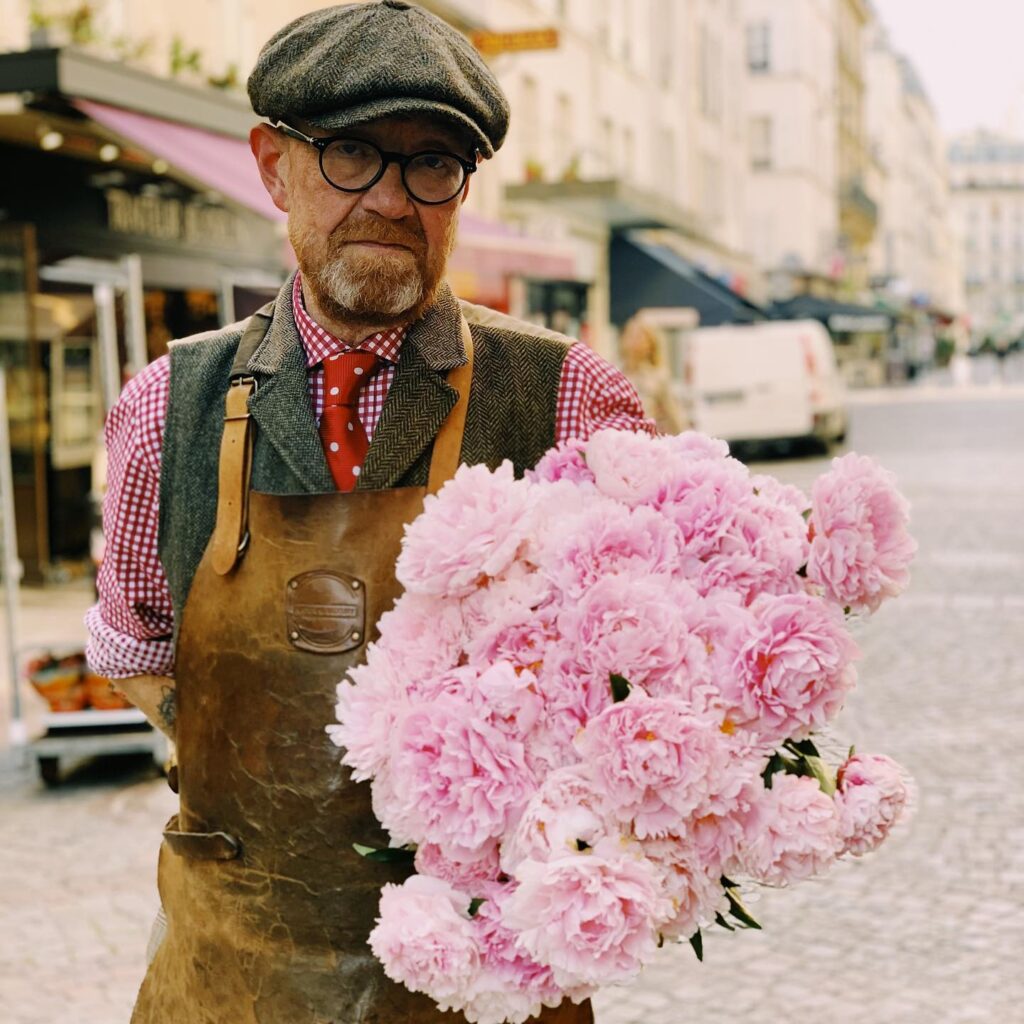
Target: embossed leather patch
{"points": [[326, 612]]}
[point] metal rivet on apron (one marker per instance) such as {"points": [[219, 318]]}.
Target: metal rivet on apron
{"points": [[356, 636], [293, 585], [355, 584], [294, 635]]}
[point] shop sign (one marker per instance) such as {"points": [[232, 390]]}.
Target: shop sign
{"points": [[169, 220], [492, 43]]}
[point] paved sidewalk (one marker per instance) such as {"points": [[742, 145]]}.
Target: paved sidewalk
{"points": [[927, 931]]}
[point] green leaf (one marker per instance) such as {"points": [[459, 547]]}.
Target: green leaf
{"points": [[697, 941], [804, 747], [778, 763], [389, 855], [852, 751], [728, 883], [739, 911], [806, 514], [475, 904], [620, 686], [817, 768], [725, 924]]}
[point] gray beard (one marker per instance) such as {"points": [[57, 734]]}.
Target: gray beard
{"points": [[369, 290]]}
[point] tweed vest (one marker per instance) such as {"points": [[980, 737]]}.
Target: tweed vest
{"points": [[516, 376]]}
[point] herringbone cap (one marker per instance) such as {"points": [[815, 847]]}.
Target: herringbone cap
{"points": [[345, 65]]}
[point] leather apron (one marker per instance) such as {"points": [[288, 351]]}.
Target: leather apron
{"points": [[268, 906]]}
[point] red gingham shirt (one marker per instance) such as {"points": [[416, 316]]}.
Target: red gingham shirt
{"points": [[130, 626]]}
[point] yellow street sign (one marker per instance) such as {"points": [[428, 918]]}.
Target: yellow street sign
{"points": [[491, 43]]}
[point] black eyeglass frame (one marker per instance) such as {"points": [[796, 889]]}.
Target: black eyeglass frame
{"points": [[402, 159]]}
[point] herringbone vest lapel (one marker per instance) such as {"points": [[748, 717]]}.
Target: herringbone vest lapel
{"points": [[288, 447], [419, 398]]}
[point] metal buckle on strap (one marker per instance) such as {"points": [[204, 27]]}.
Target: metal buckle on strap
{"points": [[203, 845]]}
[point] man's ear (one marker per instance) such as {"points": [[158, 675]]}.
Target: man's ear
{"points": [[269, 146]]}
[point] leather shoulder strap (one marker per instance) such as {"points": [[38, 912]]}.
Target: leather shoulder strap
{"points": [[448, 444], [231, 531]]}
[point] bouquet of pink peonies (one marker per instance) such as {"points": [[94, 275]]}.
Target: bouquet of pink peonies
{"points": [[593, 708]]}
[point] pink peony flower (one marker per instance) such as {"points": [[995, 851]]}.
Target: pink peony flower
{"points": [[860, 549], [762, 546], [565, 811], [871, 798], [470, 530], [370, 703], [692, 444], [793, 670], [694, 888], [701, 497], [511, 619], [791, 831], [566, 461], [592, 917], [423, 635], [457, 780], [464, 875], [510, 986], [426, 940], [626, 624], [630, 468], [607, 539], [654, 763]]}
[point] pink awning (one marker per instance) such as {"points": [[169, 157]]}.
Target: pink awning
{"points": [[220, 162], [492, 249]]}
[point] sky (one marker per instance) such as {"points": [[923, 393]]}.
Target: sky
{"points": [[969, 55]]}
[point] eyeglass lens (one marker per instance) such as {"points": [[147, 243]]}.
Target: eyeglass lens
{"points": [[430, 177]]}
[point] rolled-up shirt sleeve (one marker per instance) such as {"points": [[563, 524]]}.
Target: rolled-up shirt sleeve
{"points": [[131, 624], [593, 395]]}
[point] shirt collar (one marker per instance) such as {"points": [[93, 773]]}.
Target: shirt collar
{"points": [[318, 343]]}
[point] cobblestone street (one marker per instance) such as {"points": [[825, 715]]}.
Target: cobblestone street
{"points": [[927, 931]]}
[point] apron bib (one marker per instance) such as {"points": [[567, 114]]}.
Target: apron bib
{"points": [[268, 906]]}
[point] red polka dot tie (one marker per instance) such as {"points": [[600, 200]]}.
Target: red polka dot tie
{"points": [[343, 436]]}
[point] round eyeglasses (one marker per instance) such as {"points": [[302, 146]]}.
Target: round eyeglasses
{"points": [[355, 165]]}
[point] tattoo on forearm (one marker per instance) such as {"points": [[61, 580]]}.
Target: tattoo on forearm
{"points": [[167, 707]]}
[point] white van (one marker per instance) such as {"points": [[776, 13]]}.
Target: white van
{"points": [[742, 383], [774, 380], [826, 390]]}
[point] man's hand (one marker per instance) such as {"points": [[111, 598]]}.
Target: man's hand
{"points": [[154, 696]]}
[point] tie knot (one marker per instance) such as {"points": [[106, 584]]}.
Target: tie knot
{"points": [[345, 373]]}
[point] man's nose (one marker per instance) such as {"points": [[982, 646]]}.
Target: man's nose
{"points": [[388, 198]]}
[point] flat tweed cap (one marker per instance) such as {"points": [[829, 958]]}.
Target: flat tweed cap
{"points": [[345, 65]]}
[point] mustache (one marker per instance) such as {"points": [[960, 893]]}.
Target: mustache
{"points": [[385, 232]]}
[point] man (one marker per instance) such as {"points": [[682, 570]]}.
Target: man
{"points": [[260, 479]]}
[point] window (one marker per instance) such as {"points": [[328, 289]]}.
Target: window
{"points": [[759, 46], [761, 143]]}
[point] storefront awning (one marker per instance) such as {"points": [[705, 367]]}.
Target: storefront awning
{"points": [[645, 275], [219, 162], [838, 317], [491, 249]]}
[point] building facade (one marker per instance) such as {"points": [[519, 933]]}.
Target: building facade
{"points": [[913, 258], [792, 209], [858, 209], [987, 199]]}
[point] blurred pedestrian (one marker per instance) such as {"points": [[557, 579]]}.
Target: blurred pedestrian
{"points": [[645, 363]]}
